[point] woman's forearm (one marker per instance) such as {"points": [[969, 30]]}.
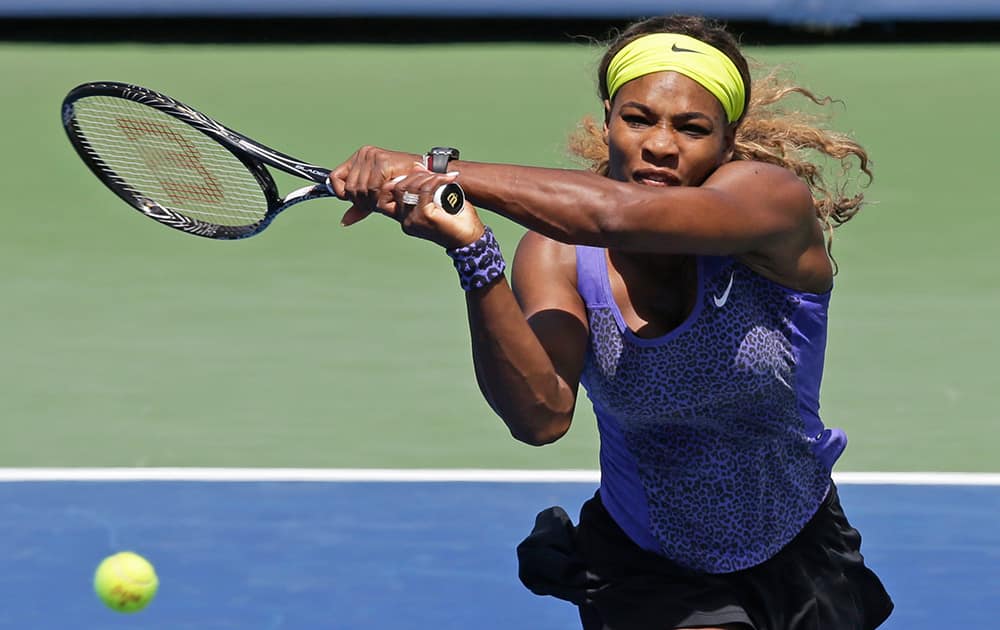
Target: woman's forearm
{"points": [[574, 202], [514, 371]]}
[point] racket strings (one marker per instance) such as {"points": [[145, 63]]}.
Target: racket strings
{"points": [[161, 159]]}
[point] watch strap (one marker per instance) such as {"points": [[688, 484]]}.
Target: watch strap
{"points": [[436, 160]]}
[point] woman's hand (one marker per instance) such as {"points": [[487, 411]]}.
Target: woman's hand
{"points": [[363, 177], [418, 215], [376, 180]]}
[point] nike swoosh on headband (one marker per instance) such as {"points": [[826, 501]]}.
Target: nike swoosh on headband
{"points": [[677, 48]]}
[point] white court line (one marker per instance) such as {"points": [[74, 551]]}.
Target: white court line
{"points": [[430, 475], [294, 474]]}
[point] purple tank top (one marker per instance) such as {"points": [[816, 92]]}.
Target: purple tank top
{"points": [[713, 454]]}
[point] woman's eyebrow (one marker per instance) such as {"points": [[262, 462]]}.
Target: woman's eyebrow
{"points": [[646, 109]]}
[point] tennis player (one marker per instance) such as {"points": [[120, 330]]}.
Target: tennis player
{"points": [[684, 280]]}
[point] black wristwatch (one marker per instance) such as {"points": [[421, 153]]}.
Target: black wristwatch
{"points": [[437, 158]]}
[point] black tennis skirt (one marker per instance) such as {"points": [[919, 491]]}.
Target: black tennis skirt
{"points": [[818, 581]]}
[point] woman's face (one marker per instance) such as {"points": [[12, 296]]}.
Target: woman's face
{"points": [[665, 129]]}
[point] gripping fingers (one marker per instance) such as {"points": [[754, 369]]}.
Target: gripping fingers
{"points": [[449, 197]]}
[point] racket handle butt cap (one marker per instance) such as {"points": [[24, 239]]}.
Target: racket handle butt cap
{"points": [[451, 197]]}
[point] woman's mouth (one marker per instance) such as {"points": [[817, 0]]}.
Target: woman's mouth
{"points": [[655, 178]]}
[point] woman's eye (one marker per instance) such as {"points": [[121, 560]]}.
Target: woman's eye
{"points": [[634, 121], [695, 130]]}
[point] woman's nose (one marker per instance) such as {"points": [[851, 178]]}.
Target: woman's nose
{"points": [[660, 142]]}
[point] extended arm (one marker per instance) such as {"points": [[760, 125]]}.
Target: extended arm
{"points": [[760, 211], [743, 207]]}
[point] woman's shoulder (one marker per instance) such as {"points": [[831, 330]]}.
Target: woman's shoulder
{"points": [[770, 185], [796, 257], [542, 257], [535, 245], [759, 169]]}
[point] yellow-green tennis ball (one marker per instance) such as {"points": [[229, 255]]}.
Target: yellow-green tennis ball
{"points": [[126, 582]]}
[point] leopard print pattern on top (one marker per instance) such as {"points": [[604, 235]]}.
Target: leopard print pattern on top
{"points": [[710, 414]]}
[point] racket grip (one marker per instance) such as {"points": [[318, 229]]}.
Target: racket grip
{"points": [[451, 197]]}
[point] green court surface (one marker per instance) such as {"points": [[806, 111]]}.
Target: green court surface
{"points": [[128, 344]]}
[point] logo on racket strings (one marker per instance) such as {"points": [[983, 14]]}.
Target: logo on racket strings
{"points": [[165, 152]]}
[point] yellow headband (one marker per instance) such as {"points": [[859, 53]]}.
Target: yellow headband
{"points": [[661, 52]]}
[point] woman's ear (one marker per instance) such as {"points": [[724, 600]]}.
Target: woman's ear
{"points": [[730, 144], [607, 117]]}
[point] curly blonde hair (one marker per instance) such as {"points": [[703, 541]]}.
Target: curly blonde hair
{"points": [[768, 131]]}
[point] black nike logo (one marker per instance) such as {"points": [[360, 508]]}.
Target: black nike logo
{"points": [[677, 48]]}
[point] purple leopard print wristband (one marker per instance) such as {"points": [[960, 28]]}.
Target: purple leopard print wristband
{"points": [[479, 263]]}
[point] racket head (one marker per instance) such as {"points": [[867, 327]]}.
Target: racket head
{"points": [[169, 161]]}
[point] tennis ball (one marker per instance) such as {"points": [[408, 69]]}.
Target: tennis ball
{"points": [[126, 582]]}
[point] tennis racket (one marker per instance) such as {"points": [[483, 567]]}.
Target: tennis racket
{"points": [[178, 166]]}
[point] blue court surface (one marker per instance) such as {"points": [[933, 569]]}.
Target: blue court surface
{"points": [[424, 554]]}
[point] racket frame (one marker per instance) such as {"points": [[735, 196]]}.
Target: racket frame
{"points": [[253, 155]]}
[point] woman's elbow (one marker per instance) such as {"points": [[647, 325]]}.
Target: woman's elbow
{"points": [[540, 433]]}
